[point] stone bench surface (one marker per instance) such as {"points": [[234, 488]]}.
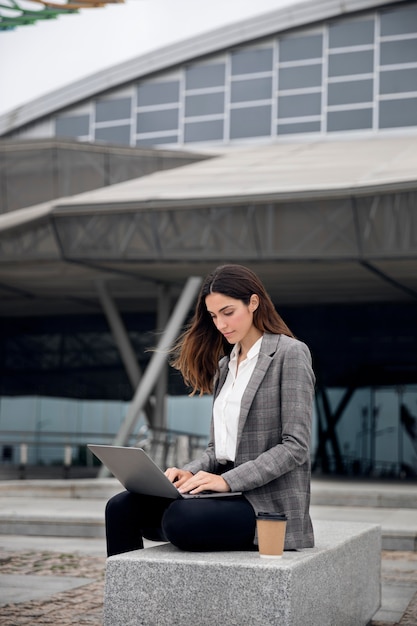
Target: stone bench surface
{"points": [[336, 583]]}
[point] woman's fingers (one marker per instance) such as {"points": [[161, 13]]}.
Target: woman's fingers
{"points": [[177, 476], [204, 481]]}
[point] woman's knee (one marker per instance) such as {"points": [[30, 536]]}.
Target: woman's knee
{"points": [[209, 524], [117, 501], [178, 524]]}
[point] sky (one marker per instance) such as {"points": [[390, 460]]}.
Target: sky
{"points": [[38, 59]]}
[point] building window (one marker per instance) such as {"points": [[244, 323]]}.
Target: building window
{"points": [[114, 134], [399, 21], [398, 81], [202, 76], [300, 77], [72, 126], [157, 140], [250, 122], [351, 33], [350, 92], [397, 113], [297, 48], [301, 105], [204, 104], [298, 127], [251, 89], [251, 61], [148, 121], [211, 130], [109, 110], [351, 63], [164, 92], [352, 119], [396, 52]]}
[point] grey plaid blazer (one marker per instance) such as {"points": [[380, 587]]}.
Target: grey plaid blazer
{"points": [[272, 465]]}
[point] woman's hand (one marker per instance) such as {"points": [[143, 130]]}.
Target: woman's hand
{"points": [[202, 481], [178, 476]]}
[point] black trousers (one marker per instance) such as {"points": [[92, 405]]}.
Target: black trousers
{"points": [[200, 524]]}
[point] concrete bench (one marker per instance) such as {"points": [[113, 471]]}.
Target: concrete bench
{"points": [[336, 583]]}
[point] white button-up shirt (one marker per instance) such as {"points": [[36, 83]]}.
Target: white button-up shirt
{"points": [[226, 408]]}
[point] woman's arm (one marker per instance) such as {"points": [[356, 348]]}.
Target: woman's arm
{"points": [[198, 480]]}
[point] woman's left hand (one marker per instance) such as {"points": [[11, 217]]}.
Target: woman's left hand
{"points": [[204, 481]]}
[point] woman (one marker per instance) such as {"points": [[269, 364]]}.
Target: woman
{"points": [[238, 348]]}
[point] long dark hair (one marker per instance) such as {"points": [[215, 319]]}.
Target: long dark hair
{"points": [[199, 348]]}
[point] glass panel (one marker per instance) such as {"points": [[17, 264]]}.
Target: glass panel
{"points": [[351, 63], [72, 126], [251, 61], [201, 76], [299, 77], [155, 141], [203, 131], [108, 110], [250, 122], [207, 104], [399, 21], [158, 93], [300, 105], [354, 119], [253, 89], [398, 51], [350, 92], [398, 81], [150, 121], [395, 113], [296, 48], [302, 127], [351, 34], [114, 134]]}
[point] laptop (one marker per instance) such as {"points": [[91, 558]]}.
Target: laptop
{"points": [[138, 473]]}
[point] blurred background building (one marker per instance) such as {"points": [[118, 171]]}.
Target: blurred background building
{"points": [[286, 142]]}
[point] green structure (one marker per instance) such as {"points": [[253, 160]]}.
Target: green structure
{"points": [[13, 14]]}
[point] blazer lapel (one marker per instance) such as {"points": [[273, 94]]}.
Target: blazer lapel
{"points": [[223, 371], [269, 346]]}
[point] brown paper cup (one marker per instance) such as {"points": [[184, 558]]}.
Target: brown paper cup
{"points": [[271, 529]]}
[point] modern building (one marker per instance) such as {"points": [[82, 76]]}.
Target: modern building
{"points": [[291, 143]]}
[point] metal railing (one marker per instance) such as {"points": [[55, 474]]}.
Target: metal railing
{"points": [[21, 450]]}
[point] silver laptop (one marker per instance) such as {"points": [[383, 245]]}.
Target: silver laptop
{"points": [[139, 474]]}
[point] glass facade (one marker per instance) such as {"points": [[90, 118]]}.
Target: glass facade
{"points": [[351, 74]]}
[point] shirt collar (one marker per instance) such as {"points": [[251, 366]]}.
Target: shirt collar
{"points": [[254, 351]]}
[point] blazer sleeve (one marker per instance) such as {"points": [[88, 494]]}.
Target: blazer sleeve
{"points": [[293, 379]]}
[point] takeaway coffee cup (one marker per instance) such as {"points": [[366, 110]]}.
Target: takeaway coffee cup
{"points": [[271, 529]]}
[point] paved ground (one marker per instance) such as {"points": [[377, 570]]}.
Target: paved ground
{"points": [[81, 601]]}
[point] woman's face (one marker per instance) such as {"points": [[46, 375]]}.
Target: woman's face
{"points": [[233, 318]]}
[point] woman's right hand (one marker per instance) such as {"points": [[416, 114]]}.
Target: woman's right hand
{"points": [[178, 476]]}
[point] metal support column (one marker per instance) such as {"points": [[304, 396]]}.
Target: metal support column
{"points": [[329, 432], [161, 387], [157, 361], [122, 340]]}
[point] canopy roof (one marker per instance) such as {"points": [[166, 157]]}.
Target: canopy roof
{"points": [[281, 171], [320, 222]]}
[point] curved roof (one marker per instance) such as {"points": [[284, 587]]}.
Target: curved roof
{"points": [[292, 15]]}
